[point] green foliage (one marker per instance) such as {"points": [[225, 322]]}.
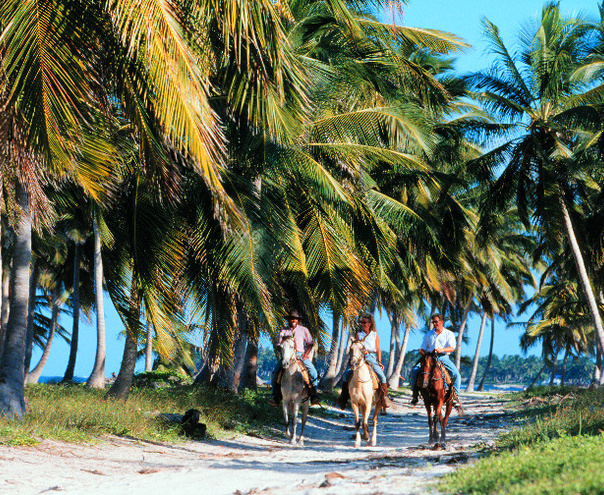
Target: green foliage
{"points": [[74, 413], [561, 451]]}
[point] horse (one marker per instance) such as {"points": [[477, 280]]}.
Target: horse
{"points": [[294, 390], [431, 384], [363, 394]]}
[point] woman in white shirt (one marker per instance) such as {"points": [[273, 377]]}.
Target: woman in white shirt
{"points": [[373, 355]]}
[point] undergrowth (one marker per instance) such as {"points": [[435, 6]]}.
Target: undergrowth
{"points": [[74, 413], [559, 449]]}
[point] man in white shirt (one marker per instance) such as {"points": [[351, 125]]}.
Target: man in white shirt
{"points": [[442, 341]]}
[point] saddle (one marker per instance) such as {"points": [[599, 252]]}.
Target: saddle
{"points": [[303, 370], [374, 378], [445, 373]]}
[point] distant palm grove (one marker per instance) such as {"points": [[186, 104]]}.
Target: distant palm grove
{"points": [[210, 165]]}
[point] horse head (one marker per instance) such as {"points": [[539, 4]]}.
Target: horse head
{"points": [[357, 356], [288, 351], [427, 364]]}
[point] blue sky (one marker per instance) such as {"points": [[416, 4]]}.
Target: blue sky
{"points": [[460, 17]]}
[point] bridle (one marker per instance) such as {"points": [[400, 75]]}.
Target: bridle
{"points": [[293, 358], [431, 372], [361, 362]]}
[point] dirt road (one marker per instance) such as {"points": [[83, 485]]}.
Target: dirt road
{"points": [[401, 463]]}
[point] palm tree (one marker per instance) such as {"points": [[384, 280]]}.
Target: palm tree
{"points": [[544, 120]]}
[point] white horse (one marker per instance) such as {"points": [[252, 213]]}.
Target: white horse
{"points": [[363, 394], [295, 393]]}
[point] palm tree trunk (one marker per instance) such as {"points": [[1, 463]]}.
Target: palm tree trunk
{"points": [[597, 368], [250, 371], [395, 380], [5, 306], [75, 332], [328, 379], [583, 276], [123, 383], [532, 384], [239, 352], [394, 338], [149, 347], [462, 329], [31, 315], [342, 357], [97, 377], [470, 387], [564, 364], [12, 371], [34, 375], [488, 365]]}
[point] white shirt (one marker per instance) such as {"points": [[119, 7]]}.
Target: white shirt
{"points": [[369, 342], [446, 338]]}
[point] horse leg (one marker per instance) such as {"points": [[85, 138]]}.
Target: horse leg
{"points": [[429, 413], [357, 425], [303, 422], [294, 413], [438, 413], [448, 409], [376, 415], [285, 406], [366, 413]]}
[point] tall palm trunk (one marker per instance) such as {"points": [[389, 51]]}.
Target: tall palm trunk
{"points": [[5, 306], [462, 328], [31, 314], [395, 380], [250, 371], [532, 384], [488, 365], [149, 347], [34, 375], [342, 356], [75, 332], [564, 365], [328, 379], [583, 276], [394, 340], [470, 386], [12, 371], [97, 377], [123, 383]]}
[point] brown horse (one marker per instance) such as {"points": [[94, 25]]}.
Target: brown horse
{"points": [[431, 383], [363, 395]]}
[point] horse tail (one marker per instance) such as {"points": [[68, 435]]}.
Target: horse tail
{"points": [[456, 402]]}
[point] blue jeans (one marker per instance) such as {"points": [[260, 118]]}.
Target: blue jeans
{"points": [[371, 359], [455, 376], [312, 371]]}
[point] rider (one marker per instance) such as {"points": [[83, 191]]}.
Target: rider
{"points": [[304, 344], [368, 335], [442, 341]]}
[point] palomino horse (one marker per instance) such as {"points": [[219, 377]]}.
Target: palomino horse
{"points": [[431, 383], [294, 390], [363, 394]]}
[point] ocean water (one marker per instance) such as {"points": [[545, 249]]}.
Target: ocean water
{"points": [[57, 379]]}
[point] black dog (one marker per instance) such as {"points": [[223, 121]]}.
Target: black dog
{"points": [[191, 427]]}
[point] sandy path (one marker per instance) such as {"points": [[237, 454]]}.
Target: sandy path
{"points": [[402, 463]]}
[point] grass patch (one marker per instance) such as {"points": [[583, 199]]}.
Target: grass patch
{"points": [[74, 413], [559, 450]]}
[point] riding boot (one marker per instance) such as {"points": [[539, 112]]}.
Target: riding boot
{"points": [[415, 398], [343, 399], [277, 396], [386, 401], [314, 396]]}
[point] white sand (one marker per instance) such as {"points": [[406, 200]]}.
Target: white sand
{"points": [[402, 463]]}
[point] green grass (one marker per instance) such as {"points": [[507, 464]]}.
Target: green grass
{"points": [[560, 449], [74, 413]]}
